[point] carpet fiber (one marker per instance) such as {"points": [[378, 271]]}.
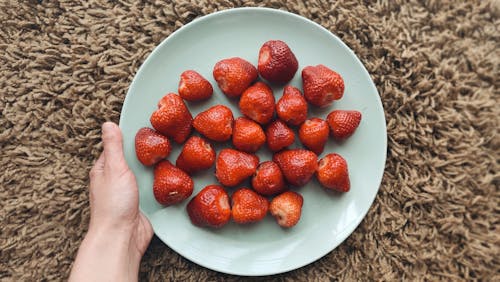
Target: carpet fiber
{"points": [[65, 68]]}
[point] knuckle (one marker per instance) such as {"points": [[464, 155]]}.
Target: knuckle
{"points": [[92, 172]]}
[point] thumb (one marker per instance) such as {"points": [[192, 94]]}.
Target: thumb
{"points": [[113, 146]]}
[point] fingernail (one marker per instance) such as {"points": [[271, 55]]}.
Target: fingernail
{"points": [[107, 126]]}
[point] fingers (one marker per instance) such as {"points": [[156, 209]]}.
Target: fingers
{"points": [[113, 147], [146, 232]]}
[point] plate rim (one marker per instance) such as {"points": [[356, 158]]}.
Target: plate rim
{"points": [[355, 223]]}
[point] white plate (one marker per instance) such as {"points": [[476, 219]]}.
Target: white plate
{"points": [[328, 218]]}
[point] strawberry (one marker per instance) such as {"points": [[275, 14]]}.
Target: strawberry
{"points": [[268, 179], [216, 123], [257, 103], [298, 165], [172, 118], [248, 136], [279, 136], [150, 146], [171, 185], [313, 134], [167, 100], [210, 207], [194, 87], [343, 123], [232, 166], [287, 208], [197, 154], [292, 107], [277, 63], [321, 85], [333, 174], [248, 206], [234, 75]]}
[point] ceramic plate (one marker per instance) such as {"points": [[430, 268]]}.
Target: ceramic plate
{"points": [[327, 218]]}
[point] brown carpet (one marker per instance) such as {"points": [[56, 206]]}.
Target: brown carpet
{"points": [[65, 69]]}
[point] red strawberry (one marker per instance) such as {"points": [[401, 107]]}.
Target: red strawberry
{"points": [[216, 123], [248, 136], [332, 173], [210, 207], [292, 107], [150, 146], [279, 136], [298, 166], [167, 100], [257, 103], [197, 154], [234, 75], [343, 123], [277, 63], [313, 133], [321, 85], [194, 87], [248, 206], [171, 185], [172, 118], [268, 179], [232, 166], [287, 208]]}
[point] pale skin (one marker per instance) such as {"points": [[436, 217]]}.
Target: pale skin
{"points": [[119, 233]]}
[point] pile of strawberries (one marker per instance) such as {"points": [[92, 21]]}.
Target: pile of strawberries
{"points": [[211, 207]]}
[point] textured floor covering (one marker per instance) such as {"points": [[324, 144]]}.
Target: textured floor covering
{"points": [[65, 68]]}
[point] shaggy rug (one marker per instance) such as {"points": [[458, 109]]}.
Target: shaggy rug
{"points": [[65, 67]]}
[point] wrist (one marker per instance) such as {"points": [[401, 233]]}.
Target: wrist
{"points": [[117, 236], [106, 253], [103, 239], [115, 240]]}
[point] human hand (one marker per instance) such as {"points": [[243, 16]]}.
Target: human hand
{"points": [[118, 233]]}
